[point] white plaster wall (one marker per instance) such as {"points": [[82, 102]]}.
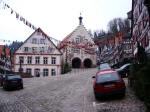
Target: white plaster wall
{"points": [[29, 44], [41, 66], [57, 69]]}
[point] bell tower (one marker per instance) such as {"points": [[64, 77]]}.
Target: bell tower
{"points": [[80, 19]]}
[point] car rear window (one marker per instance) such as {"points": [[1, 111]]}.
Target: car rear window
{"points": [[124, 66], [13, 76], [113, 76], [104, 67]]}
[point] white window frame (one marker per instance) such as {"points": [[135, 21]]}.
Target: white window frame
{"points": [[77, 40], [29, 70], [53, 59], [45, 72], [34, 41], [53, 72], [45, 60], [29, 59], [37, 60]]}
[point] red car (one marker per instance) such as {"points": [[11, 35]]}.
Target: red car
{"points": [[108, 82]]}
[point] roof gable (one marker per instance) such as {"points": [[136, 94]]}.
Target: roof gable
{"points": [[80, 32], [38, 42]]}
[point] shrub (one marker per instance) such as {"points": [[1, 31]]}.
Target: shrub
{"points": [[66, 68], [139, 77], [140, 81]]}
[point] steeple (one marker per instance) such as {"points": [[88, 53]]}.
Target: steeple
{"points": [[80, 19]]}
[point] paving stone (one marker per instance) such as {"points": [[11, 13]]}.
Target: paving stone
{"points": [[70, 92]]}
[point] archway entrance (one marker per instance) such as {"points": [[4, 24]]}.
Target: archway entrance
{"points": [[76, 63], [87, 63]]}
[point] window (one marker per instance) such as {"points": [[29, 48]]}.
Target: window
{"points": [[107, 77], [14, 76], [28, 70], [76, 50], [145, 20], [50, 49], [37, 72], [29, 60], [53, 60], [34, 49], [38, 33], [21, 59], [86, 41], [45, 72], [20, 70], [147, 40], [53, 72], [42, 41], [37, 60], [45, 60], [34, 41], [26, 49], [77, 40], [41, 49]]}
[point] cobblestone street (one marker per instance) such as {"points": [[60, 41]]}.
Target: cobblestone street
{"points": [[71, 92]]}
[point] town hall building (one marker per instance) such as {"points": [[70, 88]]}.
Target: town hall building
{"points": [[78, 48]]}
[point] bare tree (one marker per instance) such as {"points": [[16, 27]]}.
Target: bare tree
{"points": [[118, 25]]}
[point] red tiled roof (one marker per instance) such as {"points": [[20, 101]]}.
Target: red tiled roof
{"points": [[1, 49], [111, 41], [67, 37], [65, 40], [7, 52]]}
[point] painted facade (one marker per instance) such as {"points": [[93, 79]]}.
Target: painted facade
{"points": [[5, 60], [114, 49], [76, 50], [140, 24]]}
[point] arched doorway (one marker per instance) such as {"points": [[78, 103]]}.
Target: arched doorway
{"points": [[87, 63], [76, 63]]}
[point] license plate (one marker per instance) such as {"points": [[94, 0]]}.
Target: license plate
{"points": [[109, 85], [14, 81]]}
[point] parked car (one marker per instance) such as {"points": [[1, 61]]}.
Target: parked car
{"points": [[12, 81], [108, 82], [104, 66], [1, 79], [124, 70]]}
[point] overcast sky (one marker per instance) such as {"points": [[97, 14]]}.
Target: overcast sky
{"points": [[58, 18]]}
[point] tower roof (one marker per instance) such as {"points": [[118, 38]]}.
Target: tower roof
{"points": [[80, 19]]}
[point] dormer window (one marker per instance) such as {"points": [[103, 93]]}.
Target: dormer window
{"points": [[34, 41], [34, 49], [26, 49], [38, 33], [42, 41], [41, 49], [77, 40]]}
